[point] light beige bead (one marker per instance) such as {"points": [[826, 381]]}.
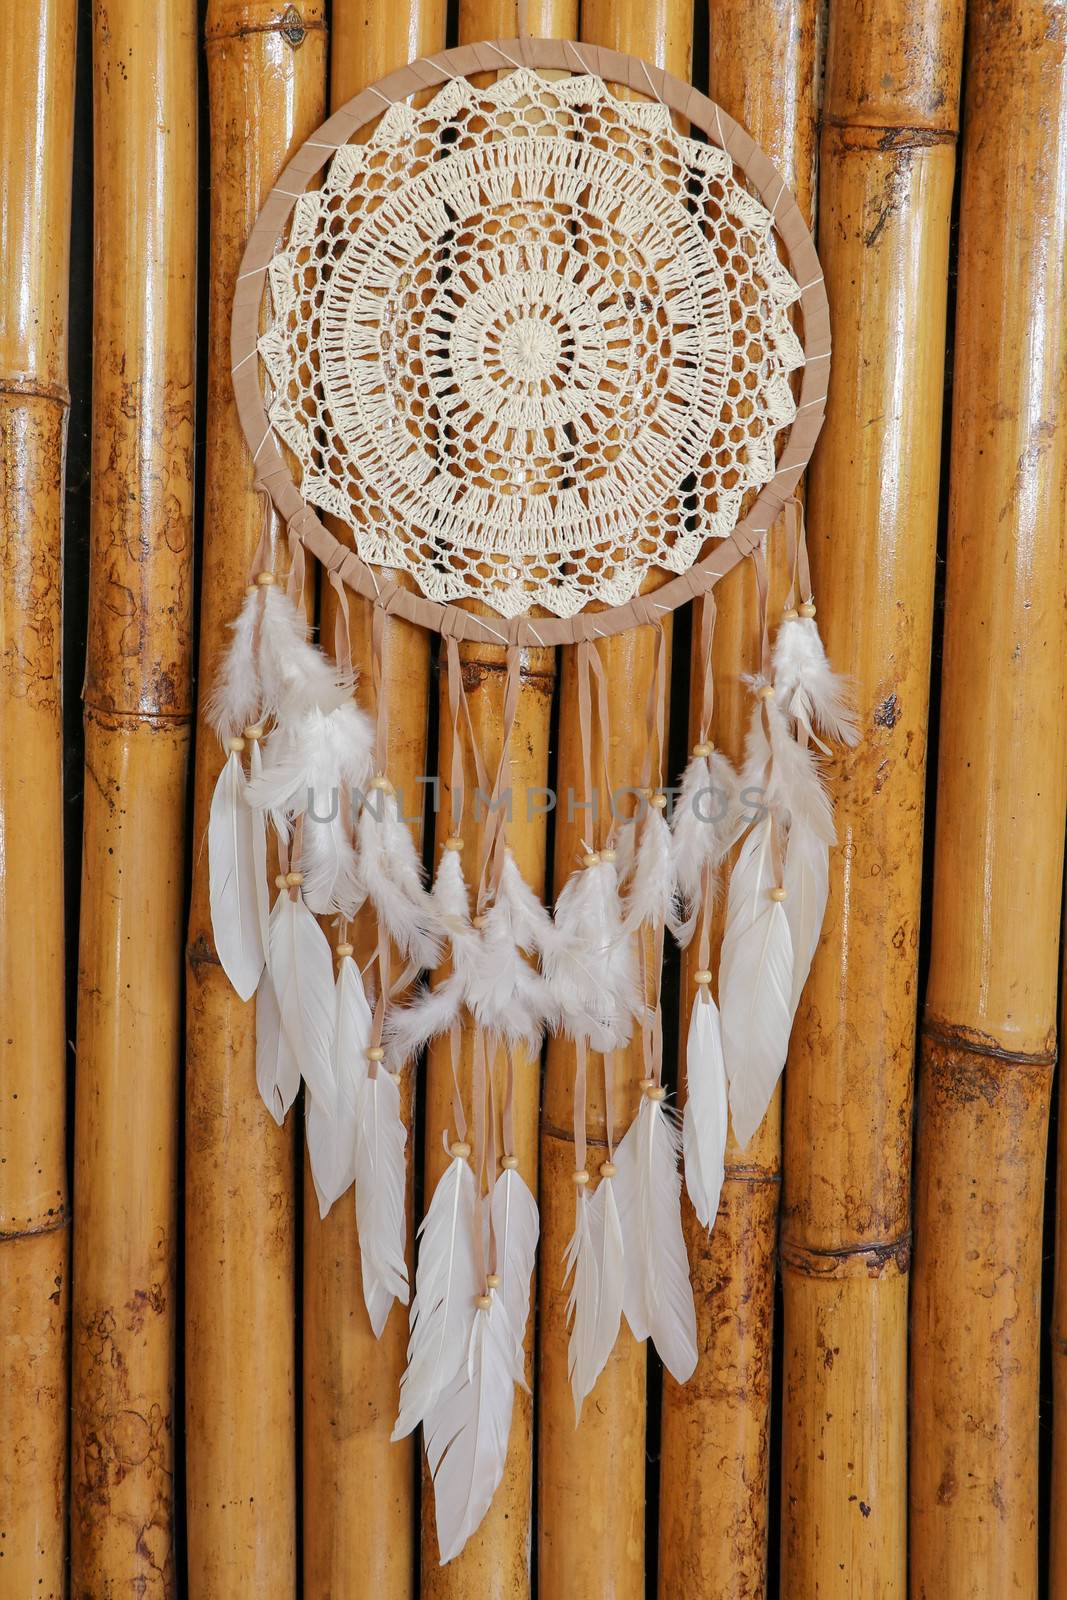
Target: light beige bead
{"points": [[492, 1281], [778, 894], [510, 1163], [235, 746], [279, 882], [460, 1148], [807, 609], [608, 1169], [706, 748], [791, 615], [454, 842], [294, 879], [375, 1053], [254, 732], [265, 579], [657, 1092], [581, 1178], [767, 692], [658, 801], [483, 1302], [591, 859], [382, 783], [607, 855], [703, 976], [343, 950]]}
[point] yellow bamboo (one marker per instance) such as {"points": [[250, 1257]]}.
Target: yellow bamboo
{"points": [[714, 1471], [1058, 1514], [496, 1561], [350, 1379], [885, 193], [266, 78], [989, 1029], [36, 132], [591, 1481], [137, 729]]}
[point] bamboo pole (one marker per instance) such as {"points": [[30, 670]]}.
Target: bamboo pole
{"points": [[266, 76], [350, 1379], [36, 135], [989, 1028], [137, 732], [591, 1480], [496, 1561], [1058, 1507], [885, 193], [715, 1441]]}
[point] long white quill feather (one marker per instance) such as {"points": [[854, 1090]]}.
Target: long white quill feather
{"points": [[381, 1185], [594, 1307], [301, 971], [516, 1224], [467, 1431], [331, 1139], [277, 1070], [657, 1294], [232, 869], [705, 1118], [755, 983], [446, 1284]]}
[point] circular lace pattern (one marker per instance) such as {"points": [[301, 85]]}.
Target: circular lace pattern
{"points": [[529, 342]]}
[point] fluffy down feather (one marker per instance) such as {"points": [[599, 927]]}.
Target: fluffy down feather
{"points": [[235, 699], [505, 994], [650, 889], [807, 688], [590, 962], [707, 821], [294, 676], [391, 873]]}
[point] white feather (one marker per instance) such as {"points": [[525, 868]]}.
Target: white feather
{"points": [[704, 1120], [259, 852], [233, 892], [795, 791], [651, 885], [594, 1307], [301, 971], [467, 1431], [755, 983], [381, 1186], [504, 993], [391, 873], [432, 1011], [442, 1312], [590, 960], [806, 879], [516, 1225], [707, 821], [807, 688], [314, 765], [331, 1140], [295, 676], [234, 701], [277, 1071], [657, 1294]]}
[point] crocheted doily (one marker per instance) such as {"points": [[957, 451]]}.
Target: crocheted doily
{"points": [[529, 342]]}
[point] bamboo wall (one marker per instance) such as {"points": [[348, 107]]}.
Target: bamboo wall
{"points": [[191, 1398]]}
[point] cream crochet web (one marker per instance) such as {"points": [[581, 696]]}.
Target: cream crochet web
{"points": [[529, 342]]}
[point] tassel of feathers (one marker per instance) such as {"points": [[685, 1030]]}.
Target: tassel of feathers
{"points": [[589, 958]]}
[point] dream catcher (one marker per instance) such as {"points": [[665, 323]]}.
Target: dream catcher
{"points": [[557, 368]]}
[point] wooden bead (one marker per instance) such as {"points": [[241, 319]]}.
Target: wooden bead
{"points": [[767, 692], [703, 976], [343, 950], [658, 801], [381, 783], [294, 879], [807, 609], [657, 1092], [493, 1281], [483, 1302], [460, 1148], [591, 859], [254, 732], [510, 1163], [608, 1169], [706, 748], [477, 922], [454, 842], [265, 579], [791, 615], [375, 1053], [235, 746], [778, 894], [279, 882], [581, 1178], [607, 855]]}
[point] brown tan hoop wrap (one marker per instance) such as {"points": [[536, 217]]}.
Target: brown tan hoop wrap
{"points": [[611, 66]]}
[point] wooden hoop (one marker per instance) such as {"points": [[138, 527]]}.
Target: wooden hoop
{"points": [[428, 73]]}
